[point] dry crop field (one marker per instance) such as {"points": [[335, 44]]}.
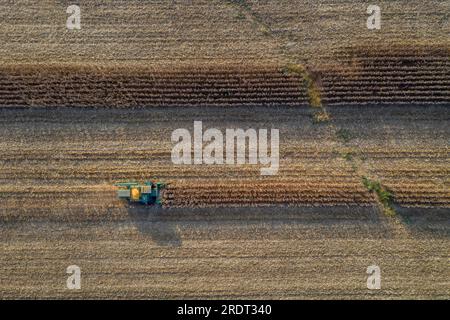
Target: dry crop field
{"points": [[364, 149], [224, 232]]}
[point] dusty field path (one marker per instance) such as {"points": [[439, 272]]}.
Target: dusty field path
{"points": [[58, 208]]}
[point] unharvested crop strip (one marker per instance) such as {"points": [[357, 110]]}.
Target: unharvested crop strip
{"points": [[406, 74], [79, 86]]}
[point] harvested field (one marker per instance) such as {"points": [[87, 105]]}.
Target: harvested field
{"points": [[223, 53], [255, 237], [364, 172]]}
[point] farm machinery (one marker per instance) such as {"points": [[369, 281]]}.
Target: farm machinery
{"points": [[146, 193]]}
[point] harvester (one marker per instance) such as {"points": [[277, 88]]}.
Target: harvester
{"points": [[146, 193]]}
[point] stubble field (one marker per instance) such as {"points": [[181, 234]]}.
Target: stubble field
{"points": [[356, 109], [310, 232]]}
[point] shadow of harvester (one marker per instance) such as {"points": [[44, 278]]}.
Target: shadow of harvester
{"points": [[165, 226], [152, 222], [430, 221]]}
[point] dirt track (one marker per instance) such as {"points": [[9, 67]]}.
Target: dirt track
{"points": [[58, 208]]}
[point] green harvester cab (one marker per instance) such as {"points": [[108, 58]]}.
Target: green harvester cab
{"points": [[146, 193]]}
